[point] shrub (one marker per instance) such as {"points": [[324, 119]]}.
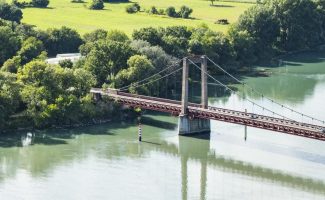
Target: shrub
{"points": [[133, 8], [161, 12], [185, 12], [40, 3], [171, 12], [153, 10], [96, 5], [222, 21], [10, 12], [63, 40]]}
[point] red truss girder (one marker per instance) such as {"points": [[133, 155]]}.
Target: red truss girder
{"points": [[230, 116]]}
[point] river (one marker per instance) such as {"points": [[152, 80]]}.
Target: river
{"points": [[107, 161]]}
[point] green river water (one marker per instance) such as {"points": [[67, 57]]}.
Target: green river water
{"points": [[107, 161]]}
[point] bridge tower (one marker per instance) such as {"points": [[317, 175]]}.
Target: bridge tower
{"points": [[186, 125]]}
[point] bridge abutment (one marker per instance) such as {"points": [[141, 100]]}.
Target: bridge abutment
{"points": [[187, 126]]}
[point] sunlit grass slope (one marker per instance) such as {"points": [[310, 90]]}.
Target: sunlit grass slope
{"points": [[75, 15]]}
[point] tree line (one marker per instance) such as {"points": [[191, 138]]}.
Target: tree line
{"points": [[33, 92]]}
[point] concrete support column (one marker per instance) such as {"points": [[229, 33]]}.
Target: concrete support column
{"points": [[204, 82], [185, 87], [188, 126]]}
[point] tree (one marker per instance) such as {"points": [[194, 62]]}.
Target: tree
{"points": [[283, 25], [106, 58], [300, 25], [117, 36], [95, 35], [53, 94], [175, 40], [31, 49], [158, 57], [185, 12], [148, 34], [138, 67], [213, 44], [261, 23], [243, 44], [171, 12], [63, 40], [40, 3], [10, 12], [9, 97], [12, 65], [9, 44], [96, 5]]}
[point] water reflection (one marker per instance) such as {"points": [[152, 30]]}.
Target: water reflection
{"points": [[196, 148], [27, 140]]}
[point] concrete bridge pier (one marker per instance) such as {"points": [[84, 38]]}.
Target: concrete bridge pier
{"points": [[187, 125]]}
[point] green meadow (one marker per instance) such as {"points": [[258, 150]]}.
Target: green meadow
{"points": [[75, 15]]}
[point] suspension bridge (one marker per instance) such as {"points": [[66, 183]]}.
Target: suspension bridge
{"points": [[195, 118]]}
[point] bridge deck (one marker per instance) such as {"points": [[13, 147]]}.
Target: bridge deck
{"points": [[214, 113]]}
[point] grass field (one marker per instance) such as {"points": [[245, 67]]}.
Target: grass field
{"points": [[75, 15]]}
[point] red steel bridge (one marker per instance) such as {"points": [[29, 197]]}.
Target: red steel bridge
{"points": [[203, 111]]}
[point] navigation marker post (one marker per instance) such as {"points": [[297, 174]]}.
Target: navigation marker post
{"points": [[140, 133], [245, 128]]}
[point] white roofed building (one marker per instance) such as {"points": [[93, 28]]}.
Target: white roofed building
{"points": [[74, 57]]}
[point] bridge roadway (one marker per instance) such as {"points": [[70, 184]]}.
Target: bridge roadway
{"points": [[214, 113]]}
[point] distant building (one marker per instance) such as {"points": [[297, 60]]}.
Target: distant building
{"points": [[74, 57]]}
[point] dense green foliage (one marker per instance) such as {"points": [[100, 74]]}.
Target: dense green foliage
{"points": [[64, 40], [9, 97], [283, 25], [10, 12], [54, 95], [9, 44]]}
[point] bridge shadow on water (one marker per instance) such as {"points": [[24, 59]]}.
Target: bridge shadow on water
{"points": [[57, 136], [158, 123], [61, 136], [15, 140]]}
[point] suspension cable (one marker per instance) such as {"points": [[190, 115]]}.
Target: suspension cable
{"points": [[136, 86], [172, 65], [263, 96], [228, 88]]}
